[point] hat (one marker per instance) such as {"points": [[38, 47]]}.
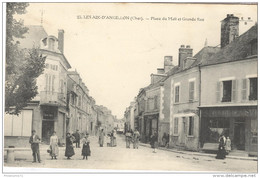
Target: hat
{"points": [[33, 130]]}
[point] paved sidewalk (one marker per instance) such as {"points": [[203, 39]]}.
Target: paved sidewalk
{"points": [[200, 153]]}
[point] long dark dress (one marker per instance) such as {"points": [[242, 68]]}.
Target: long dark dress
{"points": [[69, 147], [154, 142], [221, 149], [85, 149]]}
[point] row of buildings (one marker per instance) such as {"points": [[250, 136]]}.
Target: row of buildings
{"points": [[210, 93], [63, 103]]}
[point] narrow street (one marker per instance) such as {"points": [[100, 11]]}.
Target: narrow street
{"points": [[134, 159]]}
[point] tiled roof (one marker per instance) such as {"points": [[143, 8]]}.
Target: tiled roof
{"points": [[33, 36], [238, 49]]}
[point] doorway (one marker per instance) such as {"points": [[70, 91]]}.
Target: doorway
{"points": [[183, 131], [47, 130], [239, 134]]}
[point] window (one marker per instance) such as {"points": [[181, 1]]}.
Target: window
{"points": [[191, 125], [175, 131], [191, 90], [47, 66], [244, 89], [51, 43], [177, 94], [227, 91], [61, 86], [79, 101], [155, 102], [150, 104], [253, 89], [53, 81]]}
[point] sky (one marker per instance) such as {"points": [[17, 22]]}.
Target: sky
{"points": [[115, 57]]}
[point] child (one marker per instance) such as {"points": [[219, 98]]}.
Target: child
{"points": [[86, 147], [228, 145]]}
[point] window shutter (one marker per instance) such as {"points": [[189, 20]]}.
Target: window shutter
{"points": [[234, 90], [53, 78], [244, 89], [218, 92], [191, 91]]}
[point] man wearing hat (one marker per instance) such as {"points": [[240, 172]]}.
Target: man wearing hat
{"points": [[34, 141], [77, 138]]}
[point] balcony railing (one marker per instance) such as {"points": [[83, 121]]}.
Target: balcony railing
{"points": [[52, 97]]}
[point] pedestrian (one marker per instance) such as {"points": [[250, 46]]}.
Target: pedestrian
{"points": [[128, 138], [164, 139], [228, 145], [77, 138], [54, 146], [114, 135], [112, 138], [69, 151], [101, 138], [154, 141], [136, 137], [86, 147], [34, 141], [221, 148]]}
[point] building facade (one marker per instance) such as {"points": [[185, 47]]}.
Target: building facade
{"points": [[229, 97]]}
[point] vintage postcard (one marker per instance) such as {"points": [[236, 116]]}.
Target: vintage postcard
{"points": [[164, 87]]}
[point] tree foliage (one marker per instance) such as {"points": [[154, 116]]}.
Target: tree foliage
{"points": [[23, 66]]}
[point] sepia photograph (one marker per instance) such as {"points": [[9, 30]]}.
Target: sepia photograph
{"points": [[130, 87]]}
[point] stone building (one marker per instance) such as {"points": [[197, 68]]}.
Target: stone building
{"points": [[80, 105], [229, 97], [47, 112]]}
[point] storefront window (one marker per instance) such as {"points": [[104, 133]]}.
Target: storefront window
{"points": [[216, 127]]}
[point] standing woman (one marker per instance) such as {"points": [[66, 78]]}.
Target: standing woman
{"points": [[101, 138], [86, 148], [54, 146], [69, 152], [154, 141], [221, 148]]}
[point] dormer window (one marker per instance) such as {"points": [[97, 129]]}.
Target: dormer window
{"points": [[44, 41], [51, 43]]}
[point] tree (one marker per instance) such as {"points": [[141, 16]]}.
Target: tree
{"points": [[22, 66]]}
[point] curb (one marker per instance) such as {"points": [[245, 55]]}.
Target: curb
{"points": [[202, 154]]}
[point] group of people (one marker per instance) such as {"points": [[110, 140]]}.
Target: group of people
{"points": [[132, 137], [103, 137], [224, 147], [54, 146], [71, 138]]}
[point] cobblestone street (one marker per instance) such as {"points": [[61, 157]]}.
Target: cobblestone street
{"points": [[134, 159]]}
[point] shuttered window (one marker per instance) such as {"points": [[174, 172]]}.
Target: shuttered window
{"points": [[191, 90], [177, 94], [20, 125], [218, 92], [244, 89], [234, 90], [191, 125]]}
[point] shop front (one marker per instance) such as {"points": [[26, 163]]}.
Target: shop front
{"points": [[150, 126], [239, 123]]}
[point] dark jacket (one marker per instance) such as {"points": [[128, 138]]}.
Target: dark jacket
{"points": [[34, 143]]}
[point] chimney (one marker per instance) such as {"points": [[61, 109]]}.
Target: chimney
{"points": [[183, 54], [229, 29], [61, 40], [167, 63]]}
